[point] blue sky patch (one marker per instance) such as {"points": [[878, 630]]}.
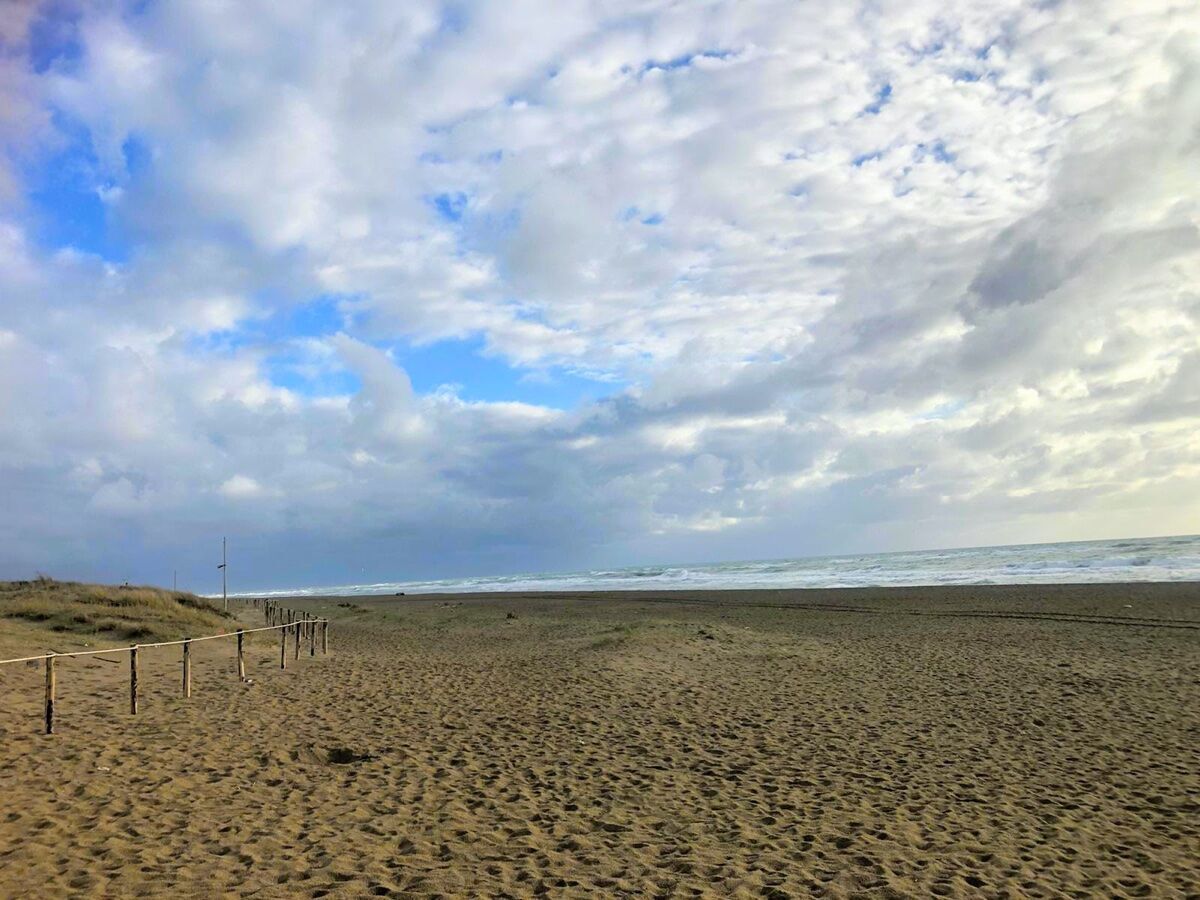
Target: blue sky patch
{"points": [[137, 155], [683, 60], [451, 206], [936, 149], [882, 97], [454, 19], [64, 193], [465, 365], [323, 316], [629, 213]]}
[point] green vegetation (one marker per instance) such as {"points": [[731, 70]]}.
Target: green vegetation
{"points": [[117, 613]]}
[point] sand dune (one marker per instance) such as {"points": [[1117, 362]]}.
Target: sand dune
{"points": [[1012, 742]]}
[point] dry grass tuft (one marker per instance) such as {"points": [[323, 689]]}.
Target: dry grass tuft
{"points": [[118, 613]]}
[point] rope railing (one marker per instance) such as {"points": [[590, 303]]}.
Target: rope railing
{"points": [[207, 637], [301, 626]]}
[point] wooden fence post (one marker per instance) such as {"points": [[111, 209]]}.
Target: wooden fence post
{"points": [[296, 631], [50, 694], [283, 648], [325, 638], [133, 680], [187, 668], [241, 657], [312, 637]]}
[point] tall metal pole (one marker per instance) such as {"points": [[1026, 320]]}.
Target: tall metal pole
{"points": [[224, 592]]}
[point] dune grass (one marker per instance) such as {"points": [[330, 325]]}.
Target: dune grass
{"points": [[109, 612]]}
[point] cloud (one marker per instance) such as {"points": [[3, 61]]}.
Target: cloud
{"points": [[239, 486], [859, 276]]}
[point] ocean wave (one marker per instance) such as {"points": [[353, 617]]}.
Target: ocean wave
{"points": [[1153, 559]]}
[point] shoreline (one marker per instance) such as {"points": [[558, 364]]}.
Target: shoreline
{"points": [[1118, 599]]}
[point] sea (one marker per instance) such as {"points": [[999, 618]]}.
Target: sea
{"points": [[1130, 559]]}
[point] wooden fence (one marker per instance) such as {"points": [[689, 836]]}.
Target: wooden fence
{"points": [[299, 626]]}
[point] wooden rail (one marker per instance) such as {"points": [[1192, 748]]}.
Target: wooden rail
{"points": [[286, 621]]}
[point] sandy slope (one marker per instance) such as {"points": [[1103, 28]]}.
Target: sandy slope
{"points": [[839, 744]]}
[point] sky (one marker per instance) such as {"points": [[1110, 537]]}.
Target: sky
{"points": [[387, 290]]}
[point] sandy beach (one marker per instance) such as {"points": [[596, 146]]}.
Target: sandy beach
{"points": [[1025, 741]]}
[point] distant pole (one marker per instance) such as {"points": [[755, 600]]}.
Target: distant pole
{"points": [[224, 591]]}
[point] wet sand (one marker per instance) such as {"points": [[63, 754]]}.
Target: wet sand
{"points": [[1024, 741]]}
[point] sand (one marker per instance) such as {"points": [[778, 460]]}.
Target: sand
{"points": [[959, 742]]}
